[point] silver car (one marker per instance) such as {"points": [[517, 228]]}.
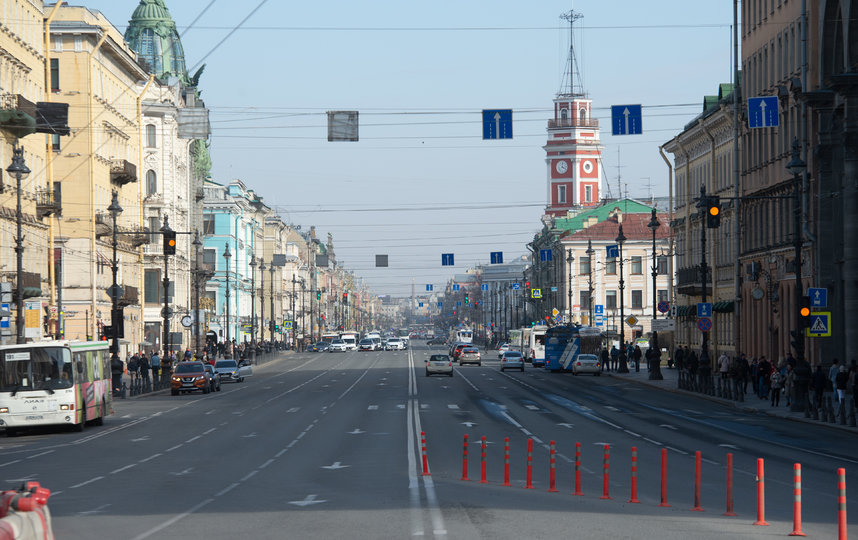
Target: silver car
{"points": [[440, 364], [338, 345], [231, 371], [587, 363], [512, 360]]}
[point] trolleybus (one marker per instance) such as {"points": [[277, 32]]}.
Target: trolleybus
{"points": [[563, 344]]}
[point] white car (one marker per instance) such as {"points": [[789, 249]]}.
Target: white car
{"points": [[439, 363], [587, 363], [502, 349], [512, 360], [338, 345], [394, 344]]}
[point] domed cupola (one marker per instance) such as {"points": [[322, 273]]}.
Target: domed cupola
{"points": [[152, 34]]}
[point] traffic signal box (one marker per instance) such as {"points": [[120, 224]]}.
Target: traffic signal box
{"points": [[804, 313], [345, 298], [713, 212], [169, 242]]}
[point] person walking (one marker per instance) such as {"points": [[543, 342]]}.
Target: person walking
{"points": [[132, 368], [776, 381], [724, 367], [116, 373], [832, 374], [755, 375], [679, 356], [818, 382], [605, 358], [789, 383], [840, 382], [155, 365], [144, 367], [744, 373], [637, 355], [615, 358]]}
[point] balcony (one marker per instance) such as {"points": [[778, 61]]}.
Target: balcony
{"points": [[199, 194], [688, 281], [138, 236], [573, 123], [17, 115], [129, 298], [122, 171], [48, 202], [103, 224]]}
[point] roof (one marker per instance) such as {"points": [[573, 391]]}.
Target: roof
{"points": [[634, 228], [602, 213]]}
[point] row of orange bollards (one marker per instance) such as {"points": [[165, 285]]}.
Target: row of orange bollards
{"points": [[606, 463]]}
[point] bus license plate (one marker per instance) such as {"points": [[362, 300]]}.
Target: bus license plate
{"points": [[34, 417]]}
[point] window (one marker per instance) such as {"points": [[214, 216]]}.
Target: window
{"points": [[209, 258], [611, 299], [637, 267], [582, 117], [584, 263], [55, 142], [152, 284], [208, 224], [55, 74], [154, 227], [151, 182], [151, 140], [637, 299], [661, 264], [611, 266], [584, 301], [662, 295], [588, 193], [561, 194]]}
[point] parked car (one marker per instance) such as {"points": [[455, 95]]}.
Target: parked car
{"points": [[440, 364], [338, 345], [587, 363], [321, 346], [214, 380], [394, 344], [190, 377], [504, 347], [437, 340], [366, 345], [470, 355], [512, 360], [232, 371]]}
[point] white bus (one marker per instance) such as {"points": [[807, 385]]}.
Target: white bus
{"points": [[465, 335], [534, 347], [54, 383]]}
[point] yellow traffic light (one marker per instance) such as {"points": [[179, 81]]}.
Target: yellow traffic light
{"points": [[714, 210]]}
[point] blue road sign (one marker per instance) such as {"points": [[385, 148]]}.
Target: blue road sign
{"points": [[440, 304], [429, 287], [613, 250], [485, 286], [497, 124], [704, 309], [446, 259], [704, 324], [599, 320], [599, 309], [455, 286], [553, 289], [458, 304], [626, 120], [818, 297], [4, 322], [545, 255], [820, 324], [763, 112], [497, 257], [516, 286]]}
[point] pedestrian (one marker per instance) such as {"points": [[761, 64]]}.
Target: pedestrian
{"points": [[776, 380], [116, 373], [764, 370], [789, 383], [144, 367], [615, 358], [679, 356], [605, 358], [155, 364], [744, 372], [818, 382], [840, 382], [724, 366], [637, 355], [832, 374], [132, 367], [755, 375]]}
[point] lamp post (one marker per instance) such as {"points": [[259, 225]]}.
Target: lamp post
{"points": [[165, 313], [227, 256], [705, 368], [570, 259], [253, 308], [655, 354], [271, 320], [292, 309], [590, 254], [624, 368], [20, 171], [115, 312], [196, 243], [802, 369], [262, 300]]}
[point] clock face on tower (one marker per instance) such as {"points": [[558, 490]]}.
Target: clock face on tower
{"points": [[588, 168], [561, 167]]}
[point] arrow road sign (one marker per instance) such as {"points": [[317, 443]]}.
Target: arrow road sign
{"points": [[429, 287], [612, 251], [626, 120], [763, 112], [704, 309], [818, 297], [545, 255], [516, 286], [446, 259], [497, 124], [485, 286], [496, 257]]}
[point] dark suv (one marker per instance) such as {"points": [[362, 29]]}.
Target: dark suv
{"points": [[189, 377]]}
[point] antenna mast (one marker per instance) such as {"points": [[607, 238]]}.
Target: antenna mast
{"points": [[576, 87]]}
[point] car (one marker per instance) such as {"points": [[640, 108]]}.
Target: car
{"points": [[214, 379], [512, 360], [338, 345], [321, 346], [438, 340], [376, 343], [366, 345], [504, 347], [470, 355], [440, 364], [190, 377], [587, 363], [456, 350], [231, 371], [394, 344]]}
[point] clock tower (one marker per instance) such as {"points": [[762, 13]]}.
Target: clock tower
{"points": [[573, 152]]}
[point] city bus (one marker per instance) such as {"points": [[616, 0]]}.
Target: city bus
{"points": [[563, 344], [54, 383], [534, 345]]}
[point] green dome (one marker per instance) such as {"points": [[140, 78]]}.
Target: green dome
{"points": [[152, 34]]}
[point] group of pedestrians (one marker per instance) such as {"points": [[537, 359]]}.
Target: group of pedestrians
{"points": [[630, 356]]}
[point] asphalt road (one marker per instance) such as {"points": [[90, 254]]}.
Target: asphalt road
{"points": [[328, 446]]}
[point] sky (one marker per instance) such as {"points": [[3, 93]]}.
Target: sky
{"points": [[421, 181]]}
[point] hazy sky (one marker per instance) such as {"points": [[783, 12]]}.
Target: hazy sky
{"points": [[421, 181]]}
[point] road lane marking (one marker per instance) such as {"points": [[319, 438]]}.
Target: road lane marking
{"points": [[171, 521], [90, 481], [42, 454], [125, 468], [248, 476], [226, 489], [452, 406], [372, 408], [153, 456]]}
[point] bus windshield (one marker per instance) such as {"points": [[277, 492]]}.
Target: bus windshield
{"points": [[36, 368]]}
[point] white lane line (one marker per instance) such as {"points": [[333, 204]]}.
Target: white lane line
{"points": [[532, 407], [248, 476], [125, 468], [192, 439], [632, 433], [209, 431], [42, 454], [652, 441], [174, 447], [267, 463], [676, 450], [170, 522], [226, 490], [11, 463], [372, 408], [153, 456], [452, 406], [90, 481], [281, 452]]}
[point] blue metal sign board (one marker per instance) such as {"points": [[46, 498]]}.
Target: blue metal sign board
{"points": [[704, 309], [440, 304], [626, 120], [458, 303], [612, 251], [546, 255], [455, 286], [553, 289], [599, 320], [763, 112], [818, 297], [497, 257], [485, 286], [446, 259], [419, 304], [599, 309], [4, 322], [516, 286], [497, 124], [429, 287], [820, 324]]}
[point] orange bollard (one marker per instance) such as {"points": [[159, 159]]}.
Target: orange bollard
{"points": [[506, 461], [841, 504], [697, 507], [634, 498], [577, 469], [425, 458], [465, 461], [529, 484], [796, 501], [606, 465], [729, 511], [551, 470], [761, 493], [663, 478], [483, 462]]}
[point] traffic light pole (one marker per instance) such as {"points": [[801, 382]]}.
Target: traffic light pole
{"points": [[703, 204]]}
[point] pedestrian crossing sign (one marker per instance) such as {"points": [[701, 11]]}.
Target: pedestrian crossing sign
{"points": [[820, 324]]}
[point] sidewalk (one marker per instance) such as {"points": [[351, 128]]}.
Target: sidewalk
{"points": [[752, 403]]}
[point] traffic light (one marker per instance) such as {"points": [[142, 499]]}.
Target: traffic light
{"points": [[106, 333], [466, 299], [318, 295], [804, 313], [713, 212], [169, 242], [797, 341], [345, 298]]}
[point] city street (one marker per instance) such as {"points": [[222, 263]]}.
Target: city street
{"points": [[329, 446]]}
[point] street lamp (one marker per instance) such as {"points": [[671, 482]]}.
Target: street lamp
{"points": [[655, 355], [570, 259], [115, 315], [271, 321], [624, 368], [227, 255], [797, 167], [292, 309], [20, 171], [165, 313], [196, 243], [253, 308], [590, 252], [262, 300]]}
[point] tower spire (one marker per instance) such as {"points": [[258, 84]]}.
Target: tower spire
{"points": [[572, 76]]}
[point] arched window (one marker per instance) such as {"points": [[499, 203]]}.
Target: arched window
{"points": [[151, 141], [564, 114], [151, 182], [582, 116]]}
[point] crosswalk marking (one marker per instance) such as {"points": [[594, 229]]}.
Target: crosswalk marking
{"points": [[452, 406], [372, 408]]}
